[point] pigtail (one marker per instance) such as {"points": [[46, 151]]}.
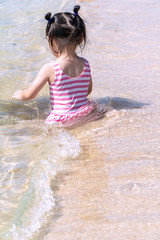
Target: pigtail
{"points": [[76, 9], [80, 29], [48, 16]]}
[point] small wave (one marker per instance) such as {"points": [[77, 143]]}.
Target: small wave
{"points": [[37, 202]]}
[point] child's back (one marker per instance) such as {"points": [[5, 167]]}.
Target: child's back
{"points": [[72, 67]]}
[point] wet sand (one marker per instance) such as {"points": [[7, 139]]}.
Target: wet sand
{"points": [[111, 191]]}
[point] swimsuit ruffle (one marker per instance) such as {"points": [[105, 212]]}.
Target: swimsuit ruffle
{"points": [[89, 112]]}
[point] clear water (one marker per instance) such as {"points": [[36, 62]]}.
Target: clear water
{"points": [[100, 180]]}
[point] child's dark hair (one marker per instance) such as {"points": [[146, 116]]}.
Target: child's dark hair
{"points": [[66, 29]]}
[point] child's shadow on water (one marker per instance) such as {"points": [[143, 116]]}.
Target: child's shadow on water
{"points": [[39, 109], [120, 103]]}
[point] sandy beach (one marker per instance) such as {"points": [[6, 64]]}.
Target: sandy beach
{"points": [[111, 191]]}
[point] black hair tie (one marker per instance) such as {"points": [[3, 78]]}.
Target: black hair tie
{"points": [[51, 20]]}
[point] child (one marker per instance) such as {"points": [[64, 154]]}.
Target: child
{"points": [[69, 77]]}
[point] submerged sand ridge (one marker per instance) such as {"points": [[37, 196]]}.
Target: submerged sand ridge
{"points": [[111, 190]]}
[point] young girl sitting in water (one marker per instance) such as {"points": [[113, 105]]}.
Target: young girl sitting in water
{"points": [[69, 77]]}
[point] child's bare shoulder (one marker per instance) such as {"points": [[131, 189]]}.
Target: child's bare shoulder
{"points": [[48, 70]]}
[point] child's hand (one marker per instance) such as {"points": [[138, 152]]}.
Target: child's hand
{"points": [[18, 95]]}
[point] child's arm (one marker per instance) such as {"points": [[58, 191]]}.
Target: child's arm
{"points": [[90, 86], [42, 77]]}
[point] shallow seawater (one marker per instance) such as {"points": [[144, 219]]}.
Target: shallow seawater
{"points": [[99, 180], [31, 157]]}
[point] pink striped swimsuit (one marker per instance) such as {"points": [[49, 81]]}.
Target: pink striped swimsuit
{"points": [[68, 96]]}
